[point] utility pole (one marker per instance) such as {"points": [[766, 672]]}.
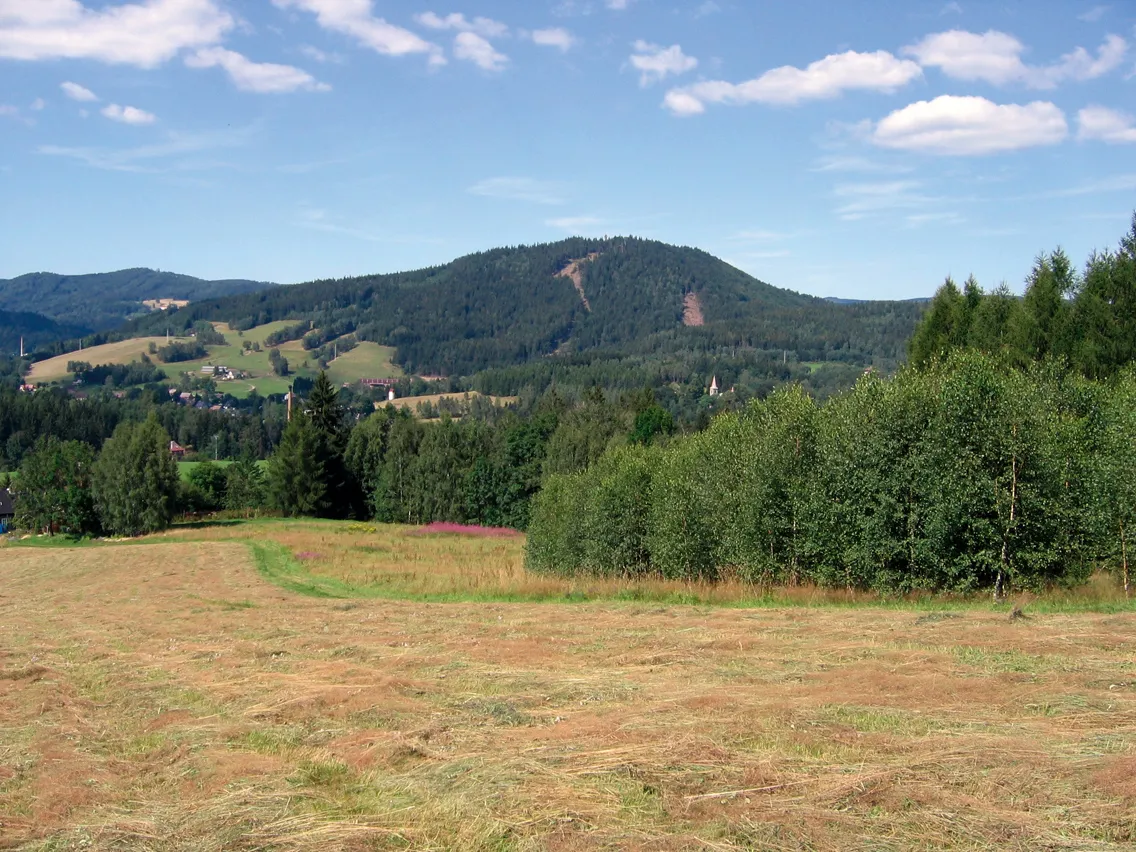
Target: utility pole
{"points": [[21, 346], [290, 401]]}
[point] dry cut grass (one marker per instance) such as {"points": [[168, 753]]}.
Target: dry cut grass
{"points": [[163, 696]]}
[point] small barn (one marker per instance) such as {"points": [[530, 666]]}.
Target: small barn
{"points": [[7, 510]]}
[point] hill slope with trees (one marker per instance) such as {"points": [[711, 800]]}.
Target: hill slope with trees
{"points": [[105, 300], [34, 329], [628, 297]]}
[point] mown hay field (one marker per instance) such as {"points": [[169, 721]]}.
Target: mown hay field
{"points": [[180, 692]]}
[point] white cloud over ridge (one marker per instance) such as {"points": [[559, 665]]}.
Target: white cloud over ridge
{"points": [[77, 93], [1107, 125], [654, 62], [128, 114], [355, 18], [554, 37], [967, 126], [144, 34], [471, 47], [996, 57], [259, 77], [823, 79], [520, 189]]}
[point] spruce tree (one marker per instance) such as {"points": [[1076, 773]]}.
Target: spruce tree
{"points": [[296, 472]]}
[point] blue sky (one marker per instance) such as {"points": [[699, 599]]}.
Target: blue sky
{"points": [[851, 149]]}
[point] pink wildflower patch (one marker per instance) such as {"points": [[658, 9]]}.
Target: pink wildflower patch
{"points": [[305, 555], [447, 528]]}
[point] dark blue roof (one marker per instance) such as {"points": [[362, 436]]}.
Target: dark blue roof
{"points": [[6, 509]]}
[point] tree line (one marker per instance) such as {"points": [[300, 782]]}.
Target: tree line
{"points": [[963, 476]]}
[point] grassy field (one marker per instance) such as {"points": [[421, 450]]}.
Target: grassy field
{"points": [[247, 686], [368, 360], [412, 402]]}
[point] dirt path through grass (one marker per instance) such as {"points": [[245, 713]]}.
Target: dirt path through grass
{"points": [[166, 697]]}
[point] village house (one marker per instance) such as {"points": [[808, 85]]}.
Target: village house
{"points": [[7, 510]]}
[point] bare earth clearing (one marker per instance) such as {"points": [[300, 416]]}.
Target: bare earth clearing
{"points": [[166, 696]]}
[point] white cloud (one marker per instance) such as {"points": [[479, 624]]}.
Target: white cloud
{"points": [[260, 77], [996, 57], [859, 200], [707, 7], [520, 189], [952, 8], [825, 78], [575, 224], [618, 5], [354, 18], [918, 220], [78, 93], [128, 114], [9, 111], [955, 125], [319, 55], [473, 48], [683, 103], [38, 104], [486, 27], [856, 164], [1107, 125], [759, 235], [145, 34], [1093, 15], [654, 62], [154, 157], [554, 37]]}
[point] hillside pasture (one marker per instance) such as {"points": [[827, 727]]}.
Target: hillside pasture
{"points": [[412, 402], [180, 692], [368, 360], [121, 352]]}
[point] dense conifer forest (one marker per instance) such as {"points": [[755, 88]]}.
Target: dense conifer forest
{"points": [[102, 301]]}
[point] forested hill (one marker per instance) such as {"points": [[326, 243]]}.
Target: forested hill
{"points": [[105, 300], [34, 329], [621, 296]]}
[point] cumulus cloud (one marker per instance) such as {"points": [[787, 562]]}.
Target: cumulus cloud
{"points": [[78, 93], [520, 189], [145, 34], [486, 27], [128, 114], [473, 48], [954, 125], [355, 18], [260, 77], [996, 57], [1107, 125], [554, 37], [38, 104], [654, 62], [618, 5], [825, 78]]}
